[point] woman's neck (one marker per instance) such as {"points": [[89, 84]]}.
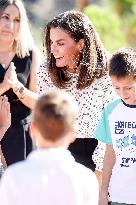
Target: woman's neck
{"points": [[6, 47], [6, 54]]}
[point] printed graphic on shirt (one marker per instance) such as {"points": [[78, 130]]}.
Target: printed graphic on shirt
{"points": [[125, 133], [121, 125]]}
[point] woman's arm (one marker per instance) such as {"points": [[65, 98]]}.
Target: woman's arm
{"points": [[29, 96], [98, 157]]}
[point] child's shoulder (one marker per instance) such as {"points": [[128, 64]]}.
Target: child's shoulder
{"points": [[112, 105]]}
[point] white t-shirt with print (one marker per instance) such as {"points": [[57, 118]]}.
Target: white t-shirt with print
{"points": [[118, 128]]}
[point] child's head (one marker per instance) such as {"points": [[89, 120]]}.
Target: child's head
{"points": [[122, 70], [54, 118]]}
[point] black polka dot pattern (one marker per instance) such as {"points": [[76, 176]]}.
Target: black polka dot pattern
{"points": [[91, 102]]}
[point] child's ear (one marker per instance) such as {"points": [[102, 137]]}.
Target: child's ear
{"points": [[72, 136], [32, 130]]}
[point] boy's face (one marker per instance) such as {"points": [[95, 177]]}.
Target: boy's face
{"points": [[125, 88]]}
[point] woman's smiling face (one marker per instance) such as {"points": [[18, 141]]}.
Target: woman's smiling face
{"points": [[64, 48]]}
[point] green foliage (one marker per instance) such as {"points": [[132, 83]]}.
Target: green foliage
{"points": [[130, 27], [127, 6], [126, 11], [108, 25], [122, 7]]}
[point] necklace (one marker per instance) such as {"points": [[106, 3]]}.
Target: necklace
{"points": [[70, 74], [4, 65]]}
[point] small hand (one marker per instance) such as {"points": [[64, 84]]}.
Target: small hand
{"points": [[5, 115]]}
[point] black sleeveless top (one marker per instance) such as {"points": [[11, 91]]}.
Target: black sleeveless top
{"points": [[19, 111]]}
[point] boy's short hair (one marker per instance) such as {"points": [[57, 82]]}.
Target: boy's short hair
{"points": [[123, 63], [54, 115]]}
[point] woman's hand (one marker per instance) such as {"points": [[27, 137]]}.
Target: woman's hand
{"points": [[5, 85], [12, 76]]}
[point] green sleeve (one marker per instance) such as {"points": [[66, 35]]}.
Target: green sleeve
{"points": [[102, 131]]}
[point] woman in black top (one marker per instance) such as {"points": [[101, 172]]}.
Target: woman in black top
{"points": [[18, 63]]}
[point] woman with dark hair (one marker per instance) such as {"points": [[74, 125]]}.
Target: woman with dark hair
{"points": [[77, 63]]}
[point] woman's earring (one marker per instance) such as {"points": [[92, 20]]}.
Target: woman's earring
{"points": [[81, 51]]}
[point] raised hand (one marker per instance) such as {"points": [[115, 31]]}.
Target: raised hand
{"points": [[5, 84], [12, 76], [5, 115]]}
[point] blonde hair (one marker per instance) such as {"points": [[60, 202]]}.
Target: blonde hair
{"points": [[54, 115], [24, 42]]}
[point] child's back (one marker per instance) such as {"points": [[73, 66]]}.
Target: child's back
{"points": [[50, 174], [50, 177]]}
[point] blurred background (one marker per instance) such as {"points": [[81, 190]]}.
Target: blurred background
{"points": [[114, 20]]}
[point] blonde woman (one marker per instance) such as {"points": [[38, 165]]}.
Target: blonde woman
{"points": [[19, 60]]}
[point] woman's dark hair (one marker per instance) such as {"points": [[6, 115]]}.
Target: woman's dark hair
{"points": [[123, 63], [93, 60]]}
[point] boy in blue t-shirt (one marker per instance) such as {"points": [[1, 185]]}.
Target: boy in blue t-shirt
{"points": [[117, 128]]}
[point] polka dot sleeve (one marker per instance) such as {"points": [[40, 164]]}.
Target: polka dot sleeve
{"points": [[98, 155]]}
